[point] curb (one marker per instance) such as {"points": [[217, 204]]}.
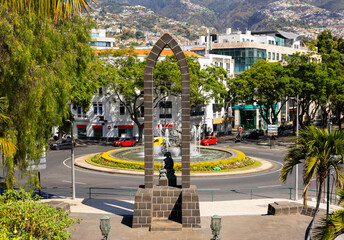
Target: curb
{"points": [[81, 162]]}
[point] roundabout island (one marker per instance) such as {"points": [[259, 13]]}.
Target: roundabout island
{"points": [[228, 162]]}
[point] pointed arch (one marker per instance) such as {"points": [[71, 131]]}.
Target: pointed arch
{"points": [[166, 40]]}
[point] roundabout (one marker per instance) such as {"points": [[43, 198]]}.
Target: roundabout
{"points": [[257, 165]]}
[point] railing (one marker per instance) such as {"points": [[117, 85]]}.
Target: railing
{"points": [[204, 194]]}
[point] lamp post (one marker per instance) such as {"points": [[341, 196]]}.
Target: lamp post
{"points": [[328, 178], [105, 226], [72, 152], [215, 226]]}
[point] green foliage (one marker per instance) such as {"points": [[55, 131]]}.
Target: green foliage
{"points": [[264, 84], [333, 226], [238, 162], [23, 217], [314, 150], [125, 76], [42, 66]]}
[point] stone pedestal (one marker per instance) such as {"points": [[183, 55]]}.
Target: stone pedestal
{"points": [[162, 203]]}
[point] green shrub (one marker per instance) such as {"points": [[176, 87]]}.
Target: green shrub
{"points": [[23, 217], [237, 162]]}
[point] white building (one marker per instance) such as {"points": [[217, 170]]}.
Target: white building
{"points": [[108, 119], [100, 41]]}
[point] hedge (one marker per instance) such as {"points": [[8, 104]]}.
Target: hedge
{"points": [[231, 163]]}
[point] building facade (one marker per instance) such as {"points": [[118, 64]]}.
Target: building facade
{"points": [[108, 119]]}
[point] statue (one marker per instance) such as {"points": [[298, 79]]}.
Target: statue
{"points": [[167, 172]]}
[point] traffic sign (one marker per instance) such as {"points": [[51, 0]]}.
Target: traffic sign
{"points": [[109, 127], [240, 129], [272, 129]]}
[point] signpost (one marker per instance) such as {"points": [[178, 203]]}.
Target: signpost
{"points": [[38, 167], [272, 131]]}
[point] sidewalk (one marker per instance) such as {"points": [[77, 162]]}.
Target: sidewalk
{"points": [[243, 219]]}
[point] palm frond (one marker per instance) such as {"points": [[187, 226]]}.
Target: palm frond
{"points": [[6, 147]]}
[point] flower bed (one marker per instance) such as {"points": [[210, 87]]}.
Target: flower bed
{"points": [[235, 163]]}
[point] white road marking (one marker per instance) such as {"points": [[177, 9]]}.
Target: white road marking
{"points": [[270, 186], [210, 189], [93, 172], [70, 182], [128, 187]]}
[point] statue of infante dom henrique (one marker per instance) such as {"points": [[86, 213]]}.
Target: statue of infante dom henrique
{"points": [[167, 171]]}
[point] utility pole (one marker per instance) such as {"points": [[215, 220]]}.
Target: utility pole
{"points": [[297, 142]]}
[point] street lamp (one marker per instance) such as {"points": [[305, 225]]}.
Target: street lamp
{"points": [[297, 141], [72, 151], [215, 226], [105, 226]]}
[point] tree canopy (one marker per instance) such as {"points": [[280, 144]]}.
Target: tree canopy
{"points": [[125, 76], [43, 64]]}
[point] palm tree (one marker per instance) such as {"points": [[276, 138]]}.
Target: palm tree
{"points": [[333, 226], [55, 9], [315, 149], [6, 147]]}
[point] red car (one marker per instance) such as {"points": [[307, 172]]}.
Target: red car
{"points": [[124, 142], [209, 140]]}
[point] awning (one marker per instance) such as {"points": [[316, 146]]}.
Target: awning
{"points": [[222, 120], [165, 125], [81, 126], [251, 106], [97, 127], [125, 126]]}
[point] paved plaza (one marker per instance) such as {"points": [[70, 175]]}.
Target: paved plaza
{"points": [[242, 219]]}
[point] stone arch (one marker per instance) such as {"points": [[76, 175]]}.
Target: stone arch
{"points": [[166, 40]]}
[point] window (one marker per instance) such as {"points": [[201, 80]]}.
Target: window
{"points": [[81, 112], [197, 111], [277, 56], [141, 111], [121, 109], [269, 55], [165, 109], [97, 108], [273, 56], [94, 34], [217, 107]]}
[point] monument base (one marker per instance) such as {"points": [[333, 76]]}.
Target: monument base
{"points": [[163, 203]]}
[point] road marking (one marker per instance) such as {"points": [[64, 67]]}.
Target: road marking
{"points": [[93, 172], [210, 189], [128, 187], [270, 186], [71, 182]]}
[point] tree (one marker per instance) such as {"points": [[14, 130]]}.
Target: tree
{"points": [[126, 73], [43, 64], [333, 226], [6, 146], [265, 85], [45, 9], [315, 149], [313, 82]]}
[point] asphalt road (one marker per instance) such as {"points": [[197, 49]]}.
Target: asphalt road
{"points": [[58, 174]]}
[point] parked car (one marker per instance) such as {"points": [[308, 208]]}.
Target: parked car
{"points": [[158, 141], [252, 135], [209, 140], [64, 144], [124, 142]]}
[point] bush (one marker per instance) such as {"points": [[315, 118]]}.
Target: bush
{"points": [[239, 161], [23, 217]]}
